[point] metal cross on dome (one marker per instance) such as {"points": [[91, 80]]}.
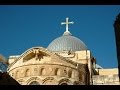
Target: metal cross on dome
{"points": [[67, 24]]}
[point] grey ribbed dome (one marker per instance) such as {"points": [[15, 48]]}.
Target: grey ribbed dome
{"points": [[66, 42]]}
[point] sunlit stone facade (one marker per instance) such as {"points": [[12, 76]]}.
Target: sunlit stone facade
{"points": [[106, 77], [37, 65]]}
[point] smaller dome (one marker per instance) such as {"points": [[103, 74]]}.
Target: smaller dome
{"points": [[98, 66]]}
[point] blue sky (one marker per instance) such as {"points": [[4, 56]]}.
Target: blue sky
{"points": [[26, 26]]}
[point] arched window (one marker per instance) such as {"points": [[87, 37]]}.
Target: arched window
{"points": [[43, 71], [27, 72], [34, 83], [57, 71]]}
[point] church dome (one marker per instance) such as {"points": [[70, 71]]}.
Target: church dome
{"points": [[66, 42]]}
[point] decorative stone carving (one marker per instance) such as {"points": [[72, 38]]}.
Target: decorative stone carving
{"points": [[38, 54], [35, 53], [28, 56], [49, 81], [34, 81]]}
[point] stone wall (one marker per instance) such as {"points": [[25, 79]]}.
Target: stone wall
{"points": [[45, 73], [106, 79]]}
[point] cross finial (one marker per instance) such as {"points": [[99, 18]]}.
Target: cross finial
{"points": [[67, 24]]}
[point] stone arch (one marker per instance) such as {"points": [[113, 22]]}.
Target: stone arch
{"points": [[57, 71], [27, 72], [49, 81], [21, 81], [65, 81], [34, 81]]}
